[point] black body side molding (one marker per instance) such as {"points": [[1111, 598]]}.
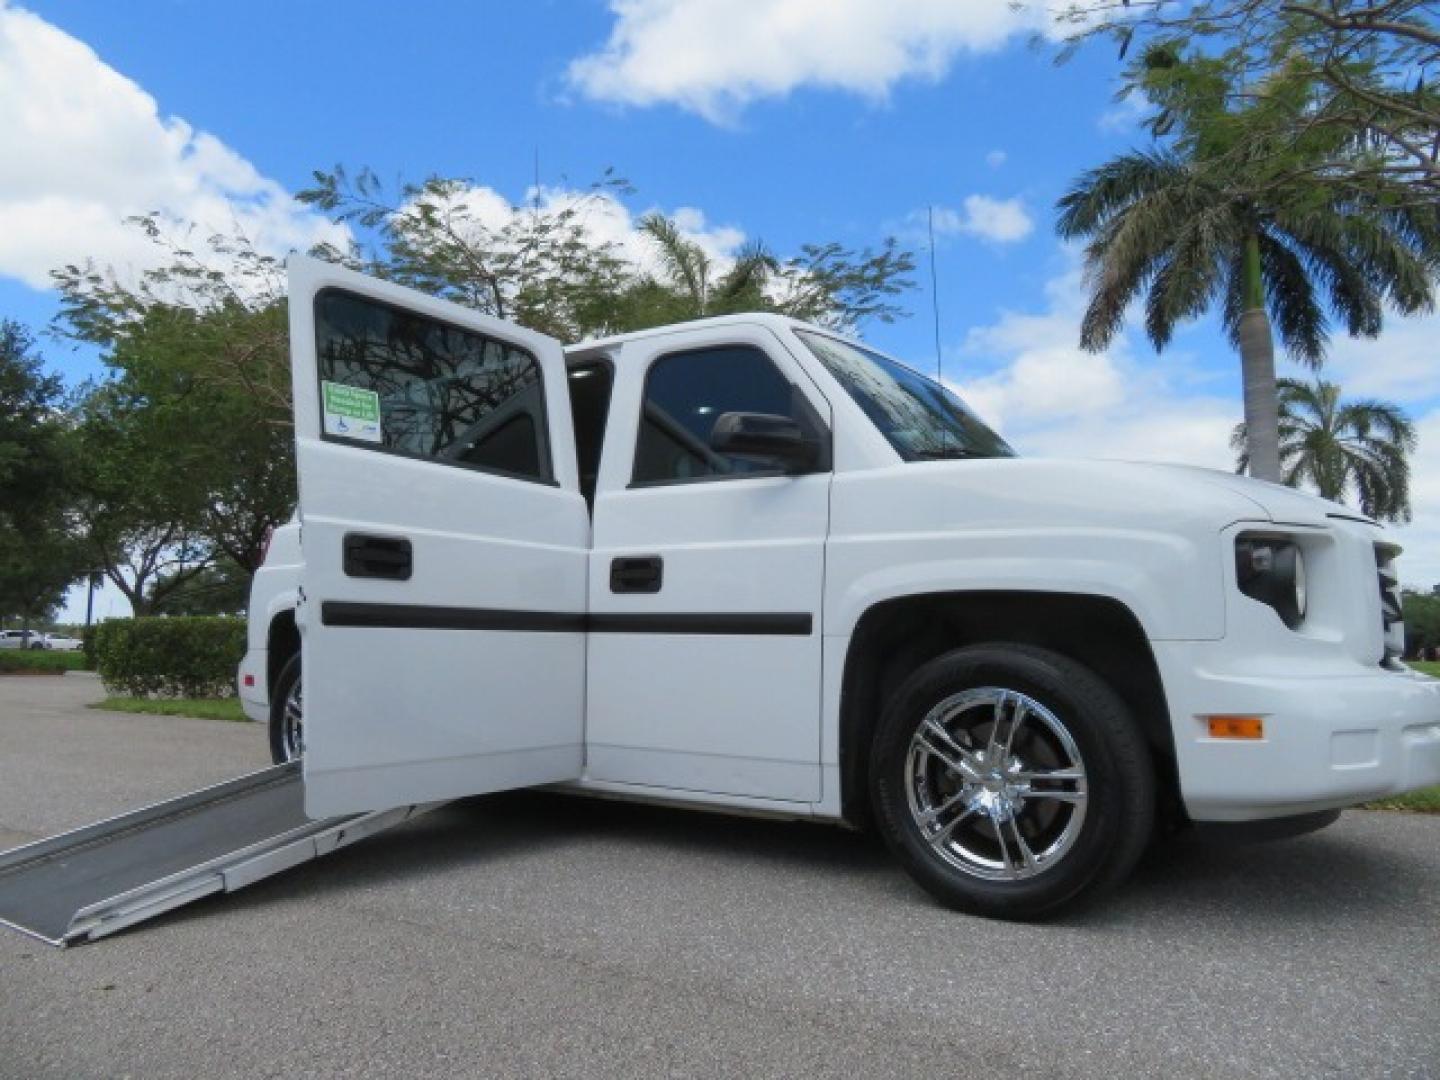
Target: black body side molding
{"points": [[426, 617]]}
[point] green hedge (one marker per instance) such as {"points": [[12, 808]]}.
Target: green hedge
{"points": [[191, 656], [35, 660]]}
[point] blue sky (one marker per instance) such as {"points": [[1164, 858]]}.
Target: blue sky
{"points": [[785, 120]]}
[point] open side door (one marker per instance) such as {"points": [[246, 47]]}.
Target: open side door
{"points": [[442, 612]]}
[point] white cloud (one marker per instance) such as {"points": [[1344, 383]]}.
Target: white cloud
{"points": [[84, 147], [1400, 364], [1048, 383], [996, 158], [714, 57], [1052, 398], [1001, 221]]}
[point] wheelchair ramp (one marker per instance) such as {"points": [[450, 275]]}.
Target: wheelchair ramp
{"points": [[91, 882]]}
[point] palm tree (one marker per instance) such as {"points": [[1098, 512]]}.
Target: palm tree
{"points": [[1230, 220], [1338, 446], [690, 285]]}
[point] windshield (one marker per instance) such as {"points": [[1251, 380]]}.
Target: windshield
{"points": [[922, 419]]}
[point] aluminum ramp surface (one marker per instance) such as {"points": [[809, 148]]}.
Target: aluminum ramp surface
{"points": [[84, 884]]}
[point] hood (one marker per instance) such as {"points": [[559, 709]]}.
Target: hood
{"points": [[1283, 505], [1026, 493]]}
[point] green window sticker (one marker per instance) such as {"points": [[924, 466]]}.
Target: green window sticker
{"points": [[351, 412]]}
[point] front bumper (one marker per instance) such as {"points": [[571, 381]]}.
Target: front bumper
{"points": [[1330, 740]]}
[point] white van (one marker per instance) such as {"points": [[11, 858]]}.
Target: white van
{"points": [[752, 564]]}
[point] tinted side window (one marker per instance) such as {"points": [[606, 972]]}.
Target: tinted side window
{"points": [[420, 387], [685, 393]]}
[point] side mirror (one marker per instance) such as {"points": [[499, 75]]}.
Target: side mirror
{"points": [[776, 439]]}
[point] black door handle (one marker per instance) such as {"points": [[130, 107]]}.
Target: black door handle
{"points": [[385, 557], [637, 574]]}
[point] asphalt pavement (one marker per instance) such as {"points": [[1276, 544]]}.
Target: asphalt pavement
{"points": [[544, 935]]}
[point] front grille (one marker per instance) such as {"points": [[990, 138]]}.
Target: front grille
{"points": [[1392, 617]]}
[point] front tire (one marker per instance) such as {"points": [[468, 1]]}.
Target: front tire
{"points": [[287, 714], [1011, 782]]}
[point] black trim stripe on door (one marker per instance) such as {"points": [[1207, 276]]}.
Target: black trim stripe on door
{"points": [[781, 623], [426, 617]]}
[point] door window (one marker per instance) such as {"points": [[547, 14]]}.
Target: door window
{"points": [[404, 383], [686, 393]]}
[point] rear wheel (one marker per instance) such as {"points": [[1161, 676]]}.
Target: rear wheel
{"points": [[1011, 781], [287, 714]]}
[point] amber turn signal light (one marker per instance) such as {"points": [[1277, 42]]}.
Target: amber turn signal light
{"points": [[1236, 727]]}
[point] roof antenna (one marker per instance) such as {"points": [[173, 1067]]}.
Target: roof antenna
{"points": [[935, 310], [934, 290]]}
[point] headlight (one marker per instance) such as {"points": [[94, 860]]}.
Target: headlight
{"points": [[1272, 570]]}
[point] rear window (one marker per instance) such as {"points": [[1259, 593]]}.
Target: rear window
{"points": [[404, 383]]}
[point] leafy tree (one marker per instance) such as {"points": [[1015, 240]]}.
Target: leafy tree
{"points": [[1422, 621], [224, 301], [1338, 446], [543, 265], [200, 372], [222, 589], [37, 557], [825, 284], [1216, 219], [536, 265], [37, 569], [134, 498], [234, 452], [30, 430], [1370, 68], [832, 285]]}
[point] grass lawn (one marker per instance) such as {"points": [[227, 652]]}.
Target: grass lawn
{"points": [[40, 660], [1424, 801], [201, 708]]}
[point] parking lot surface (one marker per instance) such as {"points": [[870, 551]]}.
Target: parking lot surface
{"points": [[540, 935]]}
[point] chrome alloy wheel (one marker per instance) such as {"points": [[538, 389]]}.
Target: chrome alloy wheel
{"points": [[292, 723], [996, 784]]}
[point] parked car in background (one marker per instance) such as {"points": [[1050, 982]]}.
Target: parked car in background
{"points": [[62, 643], [21, 639]]}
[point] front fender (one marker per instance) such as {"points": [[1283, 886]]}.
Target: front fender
{"points": [[1170, 583]]}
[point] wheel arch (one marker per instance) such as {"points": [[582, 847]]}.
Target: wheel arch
{"points": [[893, 637], [282, 641]]}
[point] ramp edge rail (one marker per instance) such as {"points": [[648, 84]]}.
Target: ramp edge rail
{"points": [[230, 872]]}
